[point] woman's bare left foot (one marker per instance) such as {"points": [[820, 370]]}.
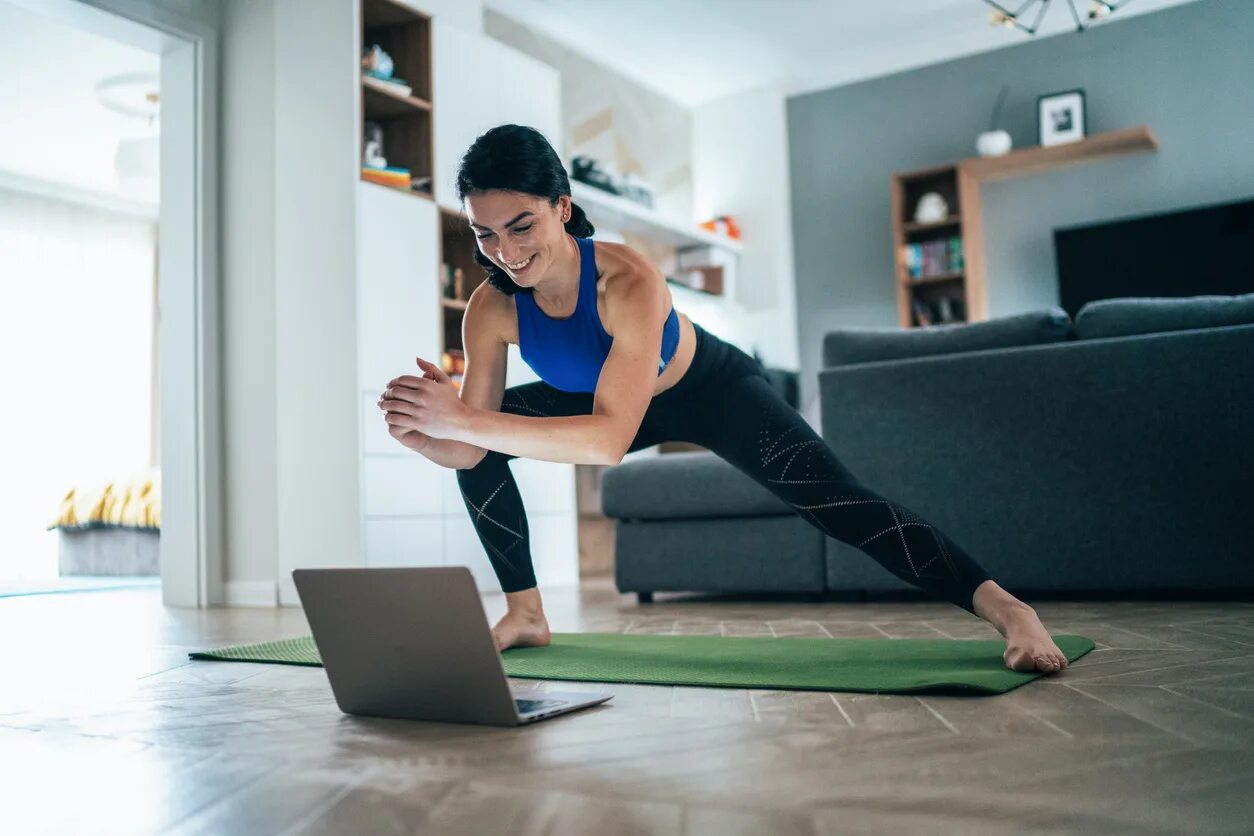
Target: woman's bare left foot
{"points": [[1029, 647]]}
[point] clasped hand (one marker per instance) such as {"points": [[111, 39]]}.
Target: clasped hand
{"points": [[428, 405]]}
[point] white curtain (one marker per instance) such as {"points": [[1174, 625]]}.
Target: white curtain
{"points": [[76, 363]]}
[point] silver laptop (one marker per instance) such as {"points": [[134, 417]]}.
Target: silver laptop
{"points": [[415, 644]]}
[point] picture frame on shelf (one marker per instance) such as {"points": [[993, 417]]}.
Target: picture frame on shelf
{"points": [[1060, 117]]}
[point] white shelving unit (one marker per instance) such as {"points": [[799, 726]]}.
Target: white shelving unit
{"points": [[623, 215]]}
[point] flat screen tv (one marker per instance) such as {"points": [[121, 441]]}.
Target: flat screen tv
{"points": [[1192, 252]]}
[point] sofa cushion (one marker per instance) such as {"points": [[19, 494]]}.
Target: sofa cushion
{"points": [[684, 485], [1148, 315], [847, 346]]}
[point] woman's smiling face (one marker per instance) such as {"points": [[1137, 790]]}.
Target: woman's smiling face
{"points": [[521, 233]]}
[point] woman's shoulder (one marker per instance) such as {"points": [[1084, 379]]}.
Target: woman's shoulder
{"points": [[489, 309], [620, 261]]}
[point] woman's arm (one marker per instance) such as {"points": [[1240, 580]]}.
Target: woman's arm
{"points": [[636, 301], [457, 455], [577, 439]]}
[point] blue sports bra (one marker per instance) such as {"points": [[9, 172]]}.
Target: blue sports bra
{"points": [[568, 353]]}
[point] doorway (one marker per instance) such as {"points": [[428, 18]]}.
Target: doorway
{"points": [[113, 222]]}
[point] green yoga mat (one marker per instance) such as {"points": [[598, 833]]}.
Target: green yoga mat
{"points": [[867, 665]]}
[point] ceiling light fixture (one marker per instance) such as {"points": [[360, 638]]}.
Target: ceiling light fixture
{"points": [[1001, 16]]}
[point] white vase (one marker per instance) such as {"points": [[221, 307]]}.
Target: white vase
{"points": [[992, 143]]}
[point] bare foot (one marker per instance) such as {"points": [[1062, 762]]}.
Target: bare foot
{"points": [[521, 629], [1029, 647]]}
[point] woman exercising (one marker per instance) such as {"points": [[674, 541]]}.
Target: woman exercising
{"points": [[622, 370]]}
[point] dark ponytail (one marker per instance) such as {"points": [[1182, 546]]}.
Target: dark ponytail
{"points": [[518, 159]]}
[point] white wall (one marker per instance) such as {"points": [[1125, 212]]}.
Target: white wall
{"points": [[251, 495], [464, 14], [740, 168], [289, 280], [316, 174]]}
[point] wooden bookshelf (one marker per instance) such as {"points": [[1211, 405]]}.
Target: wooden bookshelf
{"points": [[963, 285], [457, 254], [405, 34]]}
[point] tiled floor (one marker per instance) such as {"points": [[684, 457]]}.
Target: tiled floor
{"points": [[106, 727]]}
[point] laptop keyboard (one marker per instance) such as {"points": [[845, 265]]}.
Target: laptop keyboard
{"points": [[528, 706]]}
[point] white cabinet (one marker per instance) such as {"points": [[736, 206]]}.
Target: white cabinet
{"points": [[413, 541], [477, 84], [398, 312], [412, 510]]}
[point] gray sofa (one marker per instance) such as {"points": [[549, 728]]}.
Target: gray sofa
{"points": [[1110, 455]]}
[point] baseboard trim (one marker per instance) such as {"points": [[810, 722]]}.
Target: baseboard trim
{"points": [[251, 594]]}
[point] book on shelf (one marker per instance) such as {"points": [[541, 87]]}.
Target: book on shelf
{"points": [[390, 176], [938, 257], [922, 314], [941, 310], [452, 282], [453, 361]]}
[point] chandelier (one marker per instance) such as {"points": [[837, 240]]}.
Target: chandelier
{"points": [[1001, 16]]}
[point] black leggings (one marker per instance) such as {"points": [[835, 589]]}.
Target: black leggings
{"points": [[725, 404]]}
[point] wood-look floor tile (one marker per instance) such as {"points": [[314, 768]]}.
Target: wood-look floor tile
{"points": [[1149, 733]]}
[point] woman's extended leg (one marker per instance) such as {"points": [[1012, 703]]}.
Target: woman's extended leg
{"points": [[748, 424]]}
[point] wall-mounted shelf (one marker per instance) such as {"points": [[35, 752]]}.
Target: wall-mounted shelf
{"points": [[1037, 159], [918, 226], [618, 213], [382, 102], [941, 279]]}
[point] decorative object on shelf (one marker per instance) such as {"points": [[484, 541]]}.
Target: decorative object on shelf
{"points": [[594, 173], [372, 146], [930, 209], [995, 141], [635, 189], [606, 178], [377, 69], [376, 62], [1001, 16], [1060, 117], [722, 225]]}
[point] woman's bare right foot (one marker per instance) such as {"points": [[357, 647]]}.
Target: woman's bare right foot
{"points": [[520, 629]]}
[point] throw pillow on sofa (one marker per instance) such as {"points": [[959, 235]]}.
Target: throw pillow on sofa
{"points": [[846, 346], [1148, 315]]}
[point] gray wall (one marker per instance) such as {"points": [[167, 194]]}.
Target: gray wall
{"points": [[1187, 72]]}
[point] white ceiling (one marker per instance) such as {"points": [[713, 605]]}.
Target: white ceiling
{"points": [[52, 126], [696, 51]]}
